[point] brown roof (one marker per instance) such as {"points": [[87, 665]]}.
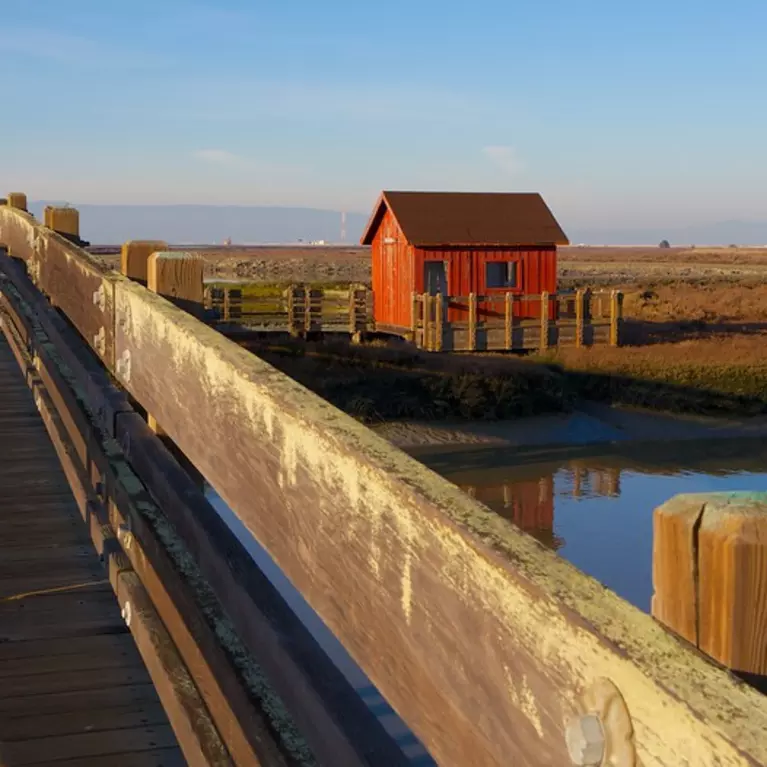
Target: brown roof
{"points": [[469, 218]]}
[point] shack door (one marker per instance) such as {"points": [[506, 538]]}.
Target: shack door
{"points": [[435, 277]]}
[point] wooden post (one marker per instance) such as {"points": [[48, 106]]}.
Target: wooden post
{"points": [[439, 308], [134, 256], [226, 305], [616, 314], [352, 310], [65, 221], [17, 200], [544, 320], [710, 575], [307, 310], [290, 301], [235, 304], [179, 278], [414, 317], [472, 321], [579, 324], [509, 322]]}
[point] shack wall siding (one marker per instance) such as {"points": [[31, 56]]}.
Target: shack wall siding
{"points": [[392, 273], [466, 270]]}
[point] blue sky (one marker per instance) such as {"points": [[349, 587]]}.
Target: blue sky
{"points": [[621, 114]]}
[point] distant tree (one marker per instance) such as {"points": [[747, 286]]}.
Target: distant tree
{"points": [[664, 244]]}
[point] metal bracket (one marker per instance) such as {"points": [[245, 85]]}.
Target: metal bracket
{"points": [[100, 298], [602, 733]]}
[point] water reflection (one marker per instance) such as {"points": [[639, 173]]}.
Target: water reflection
{"points": [[595, 507]]}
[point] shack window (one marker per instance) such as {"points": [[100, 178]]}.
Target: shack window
{"points": [[502, 274]]}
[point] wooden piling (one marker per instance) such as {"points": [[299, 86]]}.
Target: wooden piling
{"points": [[544, 321], [65, 220], [710, 575], [414, 312], [179, 278], [134, 255], [472, 321], [17, 200]]}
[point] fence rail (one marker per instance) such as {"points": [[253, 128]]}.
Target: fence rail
{"points": [[509, 321], [299, 309], [488, 646]]}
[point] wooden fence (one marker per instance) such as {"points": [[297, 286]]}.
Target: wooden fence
{"points": [[493, 650], [299, 309], [495, 322], [508, 321]]}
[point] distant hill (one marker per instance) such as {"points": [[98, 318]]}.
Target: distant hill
{"points": [[715, 233], [179, 224]]}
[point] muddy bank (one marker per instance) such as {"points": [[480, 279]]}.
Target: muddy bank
{"points": [[588, 424]]}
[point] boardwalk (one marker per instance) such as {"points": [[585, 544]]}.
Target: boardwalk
{"points": [[491, 649], [74, 688]]}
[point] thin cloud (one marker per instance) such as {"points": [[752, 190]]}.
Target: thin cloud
{"points": [[41, 43], [504, 157], [218, 157]]}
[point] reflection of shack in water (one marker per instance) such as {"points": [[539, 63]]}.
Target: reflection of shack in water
{"points": [[602, 481], [529, 503]]}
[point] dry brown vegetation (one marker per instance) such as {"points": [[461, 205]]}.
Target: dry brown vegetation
{"points": [[696, 335], [633, 255]]}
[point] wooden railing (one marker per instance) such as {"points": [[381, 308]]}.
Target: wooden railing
{"points": [[299, 309], [509, 321], [493, 650]]}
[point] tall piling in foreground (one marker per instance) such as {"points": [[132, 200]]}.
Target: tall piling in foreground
{"points": [[710, 576]]}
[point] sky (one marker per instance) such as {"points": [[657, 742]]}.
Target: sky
{"points": [[620, 114]]}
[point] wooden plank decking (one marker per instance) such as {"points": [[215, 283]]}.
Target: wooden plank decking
{"points": [[73, 688]]}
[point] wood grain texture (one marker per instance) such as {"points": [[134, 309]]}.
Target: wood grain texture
{"points": [[72, 279], [674, 566], [329, 712], [197, 736], [179, 278], [134, 256], [87, 376], [67, 663], [732, 567], [448, 608], [102, 467], [710, 575]]}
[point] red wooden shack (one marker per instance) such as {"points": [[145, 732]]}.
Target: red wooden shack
{"points": [[458, 243]]}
